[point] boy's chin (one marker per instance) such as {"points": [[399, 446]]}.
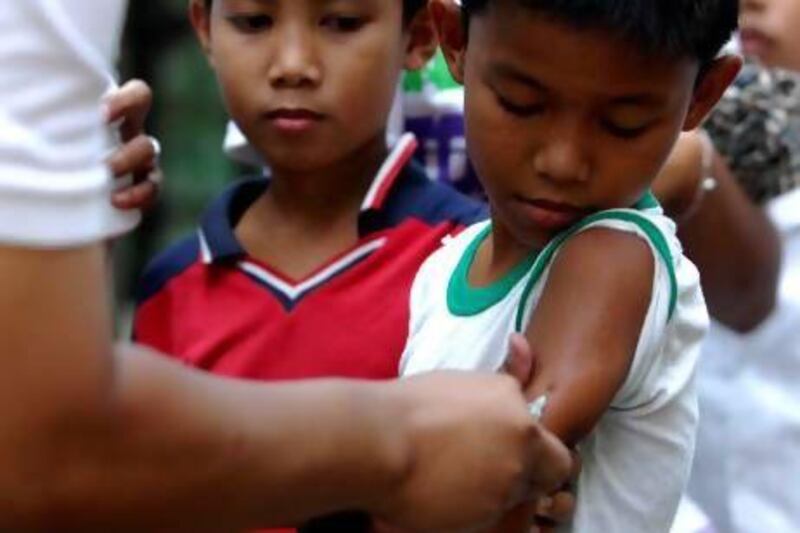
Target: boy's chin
{"points": [[298, 161]]}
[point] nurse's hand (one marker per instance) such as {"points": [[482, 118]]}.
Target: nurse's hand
{"points": [[138, 156]]}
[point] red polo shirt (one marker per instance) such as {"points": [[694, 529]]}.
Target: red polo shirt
{"points": [[209, 304]]}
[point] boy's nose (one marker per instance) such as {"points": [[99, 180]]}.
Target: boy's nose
{"points": [[295, 63], [752, 5], [562, 161]]}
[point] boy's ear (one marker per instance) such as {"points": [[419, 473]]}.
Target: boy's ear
{"points": [[422, 40], [446, 16], [200, 17], [719, 75]]}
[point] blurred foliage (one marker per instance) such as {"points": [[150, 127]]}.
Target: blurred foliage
{"points": [[187, 117]]}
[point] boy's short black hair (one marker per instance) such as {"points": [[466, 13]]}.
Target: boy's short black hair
{"points": [[410, 8], [673, 28]]}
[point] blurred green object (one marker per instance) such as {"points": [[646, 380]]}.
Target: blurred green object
{"points": [[435, 73]]}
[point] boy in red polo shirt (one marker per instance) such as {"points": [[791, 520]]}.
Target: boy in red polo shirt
{"points": [[306, 273]]}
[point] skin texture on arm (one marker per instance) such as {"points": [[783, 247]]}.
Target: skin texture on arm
{"points": [[738, 252], [586, 327], [584, 332], [731, 240], [93, 440], [102, 439]]}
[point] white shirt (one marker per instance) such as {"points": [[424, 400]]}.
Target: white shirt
{"points": [[747, 471], [636, 461], [55, 66]]}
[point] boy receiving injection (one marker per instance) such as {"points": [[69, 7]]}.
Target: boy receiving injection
{"points": [[571, 109]]}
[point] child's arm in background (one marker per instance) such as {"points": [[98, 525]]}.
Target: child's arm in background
{"points": [[724, 232], [584, 333]]}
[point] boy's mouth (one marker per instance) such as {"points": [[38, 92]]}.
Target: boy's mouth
{"points": [[549, 214], [294, 120], [754, 42]]}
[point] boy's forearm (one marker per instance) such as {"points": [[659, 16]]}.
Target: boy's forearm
{"points": [[96, 439]]}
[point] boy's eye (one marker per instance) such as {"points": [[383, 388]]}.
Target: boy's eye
{"points": [[342, 23], [251, 23], [524, 111], [624, 132]]}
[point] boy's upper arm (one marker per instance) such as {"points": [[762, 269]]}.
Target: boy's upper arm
{"points": [[586, 326]]}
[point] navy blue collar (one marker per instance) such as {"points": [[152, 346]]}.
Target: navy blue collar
{"points": [[401, 191], [218, 242]]}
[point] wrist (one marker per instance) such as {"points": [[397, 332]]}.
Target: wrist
{"points": [[389, 422], [706, 182]]}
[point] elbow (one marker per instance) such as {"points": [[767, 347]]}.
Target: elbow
{"points": [[49, 473], [748, 302], [746, 318], [52, 493], [29, 492]]}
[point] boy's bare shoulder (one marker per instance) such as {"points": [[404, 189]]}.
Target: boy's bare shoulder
{"points": [[610, 262]]}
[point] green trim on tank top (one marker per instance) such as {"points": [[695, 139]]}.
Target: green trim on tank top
{"points": [[465, 300], [625, 215], [648, 201]]}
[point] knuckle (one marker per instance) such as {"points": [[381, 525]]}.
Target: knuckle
{"points": [[508, 386], [119, 162], [141, 89], [144, 192], [144, 145]]}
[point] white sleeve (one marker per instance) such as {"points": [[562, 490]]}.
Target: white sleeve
{"points": [[55, 64], [419, 309], [645, 441], [637, 458]]}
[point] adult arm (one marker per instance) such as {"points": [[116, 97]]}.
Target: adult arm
{"points": [[103, 438], [96, 437]]}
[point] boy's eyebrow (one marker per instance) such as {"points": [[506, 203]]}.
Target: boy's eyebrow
{"points": [[316, 3], [509, 72], [325, 2], [503, 70]]}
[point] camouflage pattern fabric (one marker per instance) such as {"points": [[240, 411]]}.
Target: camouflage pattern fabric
{"points": [[756, 127]]}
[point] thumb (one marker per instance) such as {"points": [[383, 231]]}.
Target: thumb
{"points": [[520, 361]]}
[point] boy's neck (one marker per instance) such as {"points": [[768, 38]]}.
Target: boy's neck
{"points": [[306, 218], [498, 255], [328, 193]]}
